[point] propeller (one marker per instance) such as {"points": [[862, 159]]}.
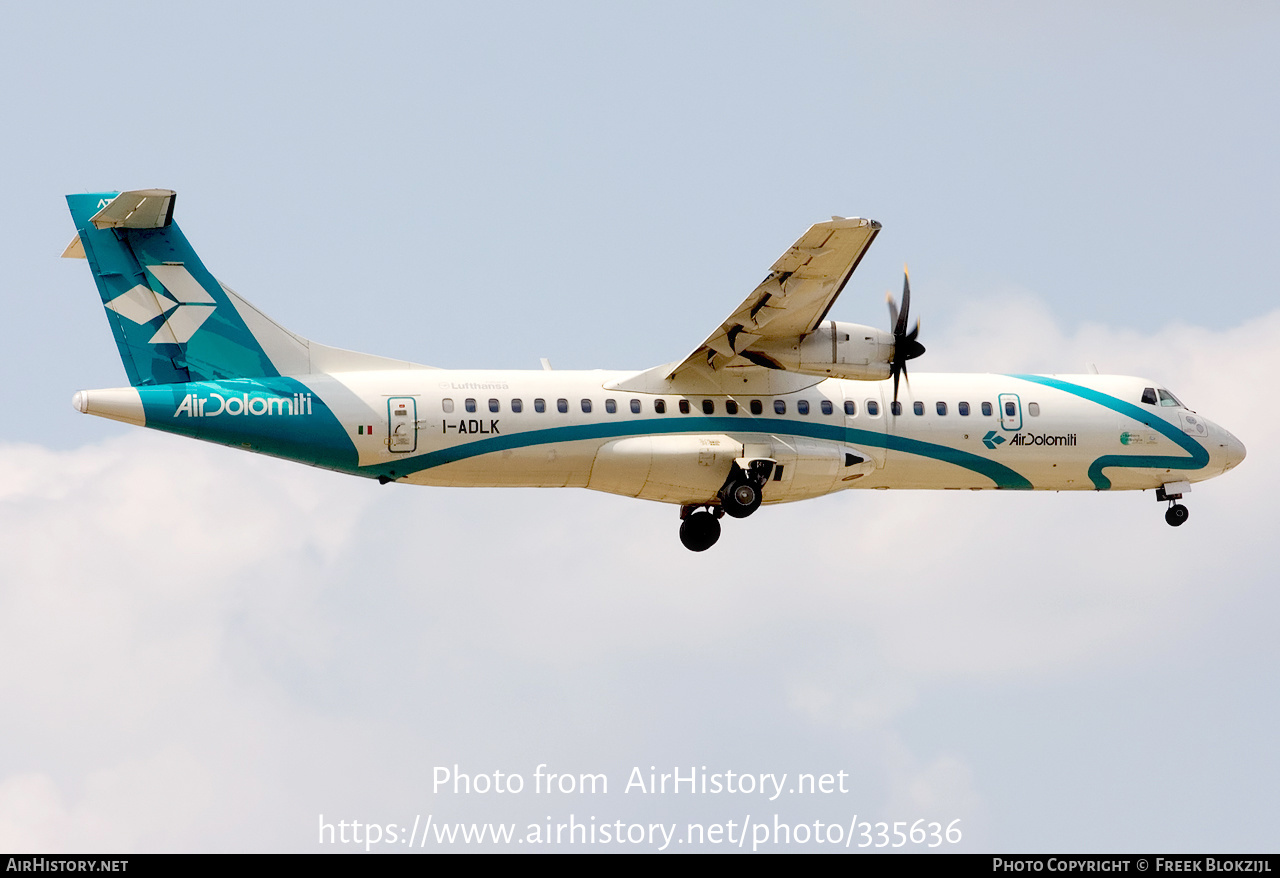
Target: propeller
{"points": [[905, 346]]}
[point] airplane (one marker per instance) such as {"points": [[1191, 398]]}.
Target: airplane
{"points": [[778, 404]]}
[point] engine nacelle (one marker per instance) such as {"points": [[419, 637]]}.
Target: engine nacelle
{"points": [[838, 350]]}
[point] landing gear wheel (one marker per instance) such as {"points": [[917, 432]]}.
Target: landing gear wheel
{"points": [[699, 531], [740, 499], [1177, 515]]}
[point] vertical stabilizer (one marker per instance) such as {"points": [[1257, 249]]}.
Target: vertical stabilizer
{"points": [[172, 322]]}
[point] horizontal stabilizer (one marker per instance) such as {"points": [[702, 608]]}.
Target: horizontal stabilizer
{"points": [[75, 250], [138, 209]]}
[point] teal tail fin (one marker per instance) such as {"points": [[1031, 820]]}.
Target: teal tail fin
{"points": [[172, 321]]}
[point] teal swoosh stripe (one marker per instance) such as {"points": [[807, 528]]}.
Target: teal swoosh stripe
{"points": [[1003, 476], [1199, 458]]}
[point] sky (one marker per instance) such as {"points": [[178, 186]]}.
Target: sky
{"points": [[202, 650]]}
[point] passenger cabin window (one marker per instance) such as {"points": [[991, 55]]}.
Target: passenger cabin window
{"points": [[517, 406], [708, 406], [635, 406], [730, 407], [757, 407], [779, 406], [803, 407], [964, 409], [1033, 409], [539, 405], [942, 408], [895, 408], [1149, 395], [471, 405], [660, 406], [684, 406], [850, 407], [986, 409], [586, 406], [826, 407], [873, 408], [918, 408], [1011, 409], [493, 405], [562, 406], [610, 406], [446, 404]]}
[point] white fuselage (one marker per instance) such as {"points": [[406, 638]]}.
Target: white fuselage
{"points": [[958, 431]]}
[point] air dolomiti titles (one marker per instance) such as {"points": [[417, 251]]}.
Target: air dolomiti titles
{"points": [[1041, 439], [193, 406]]}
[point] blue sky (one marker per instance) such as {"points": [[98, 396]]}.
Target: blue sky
{"points": [[482, 186]]}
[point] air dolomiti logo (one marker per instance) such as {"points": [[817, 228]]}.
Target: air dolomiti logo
{"points": [[193, 406], [992, 439]]}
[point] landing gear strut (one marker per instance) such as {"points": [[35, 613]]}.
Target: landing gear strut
{"points": [[699, 530], [1177, 514]]}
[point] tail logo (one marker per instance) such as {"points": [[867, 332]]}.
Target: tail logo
{"points": [[191, 304]]}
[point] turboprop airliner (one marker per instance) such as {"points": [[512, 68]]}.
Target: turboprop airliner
{"points": [[778, 404]]}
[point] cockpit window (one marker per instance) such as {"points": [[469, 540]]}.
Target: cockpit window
{"points": [[1149, 395], [1167, 398]]}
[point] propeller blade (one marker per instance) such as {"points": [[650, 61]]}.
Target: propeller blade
{"points": [[912, 348], [900, 325], [905, 344]]}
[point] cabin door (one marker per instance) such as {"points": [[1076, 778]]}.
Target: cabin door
{"points": [[402, 424], [1010, 412]]}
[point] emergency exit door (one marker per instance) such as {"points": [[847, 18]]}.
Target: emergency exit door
{"points": [[1010, 411]]}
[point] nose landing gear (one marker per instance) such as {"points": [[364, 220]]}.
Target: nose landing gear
{"points": [[1177, 514]]}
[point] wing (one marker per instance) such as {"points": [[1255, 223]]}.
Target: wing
{"points": [[795, 297]]}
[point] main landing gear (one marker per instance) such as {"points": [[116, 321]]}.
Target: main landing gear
{"points": [[1177, 514], [700, 530], [740, 496]]}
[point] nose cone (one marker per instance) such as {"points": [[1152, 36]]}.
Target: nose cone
{"points": [[1234, 450]]}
